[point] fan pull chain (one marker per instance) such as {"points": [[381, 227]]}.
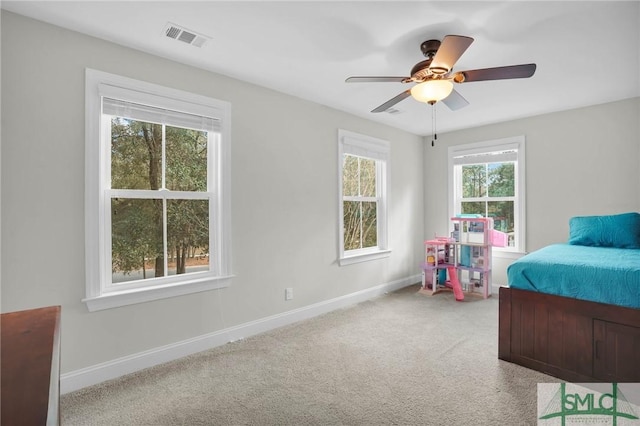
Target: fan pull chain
{"points": [[433, 124]]}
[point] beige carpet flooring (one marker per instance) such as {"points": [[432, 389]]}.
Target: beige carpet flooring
{"points": [[400, 359]]}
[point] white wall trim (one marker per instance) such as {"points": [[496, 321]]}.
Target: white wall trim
{"points": [[379, 150], [510, 143], [101, 291], [98, 373]]}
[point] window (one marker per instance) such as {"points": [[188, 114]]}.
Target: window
{"points": [[157, 192], [487, 178], [362, 197]]}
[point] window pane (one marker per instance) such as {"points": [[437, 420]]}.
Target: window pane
{"points": [[501, 180], [188, 236], [136, 154], [474, 207], [136, 239], [503, 215], [186, 156], [369, 224], [474, 181], [367, 177], [350, 176], [351, 225]]}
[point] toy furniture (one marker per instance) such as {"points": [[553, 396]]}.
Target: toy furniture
{"points": [[439, 259], [465, 257]]}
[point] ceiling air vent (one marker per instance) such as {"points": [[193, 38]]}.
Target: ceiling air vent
{"points": [[177, 32]]}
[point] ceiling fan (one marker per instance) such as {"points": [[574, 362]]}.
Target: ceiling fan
{"points": [[435, 76]]}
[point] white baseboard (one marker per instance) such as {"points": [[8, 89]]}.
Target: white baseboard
{"points": [[99, 373]]}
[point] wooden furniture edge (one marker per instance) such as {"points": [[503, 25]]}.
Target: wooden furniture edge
{"points": [[504, 323], [592, 310], [30, 366]]}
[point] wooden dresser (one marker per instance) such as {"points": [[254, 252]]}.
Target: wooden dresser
{"points": [[30, 367]]}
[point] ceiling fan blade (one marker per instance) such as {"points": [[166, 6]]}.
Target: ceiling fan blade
{"points": [[455, 101], [391, 102], [450, 50], [377, 79], [498, 73]]}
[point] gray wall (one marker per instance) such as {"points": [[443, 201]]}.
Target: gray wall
{"points": [[284, 202], [284, 178], [578, 162]]}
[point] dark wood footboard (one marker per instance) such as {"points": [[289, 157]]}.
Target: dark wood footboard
{"points": [[574, 340]]}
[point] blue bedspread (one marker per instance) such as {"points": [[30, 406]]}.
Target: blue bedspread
{"points": [[599, 274]]}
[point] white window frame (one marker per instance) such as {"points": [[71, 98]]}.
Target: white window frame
{"points": [[352, 143], [516, 143], [100, 292]]}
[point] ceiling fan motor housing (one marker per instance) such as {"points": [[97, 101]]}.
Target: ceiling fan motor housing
{"points": [[429, 48], [420, 72], [423, 70]]}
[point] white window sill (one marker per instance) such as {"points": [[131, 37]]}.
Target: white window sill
{"points": [[363, 257], [130, 297], [507, 254]]}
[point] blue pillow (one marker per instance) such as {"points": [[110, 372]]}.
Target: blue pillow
{"points": [[621, 230]]}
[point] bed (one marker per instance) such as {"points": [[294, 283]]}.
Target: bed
{"points": [[573, 310]]}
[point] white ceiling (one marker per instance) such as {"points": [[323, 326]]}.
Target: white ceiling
{"points": [[586, 52]]}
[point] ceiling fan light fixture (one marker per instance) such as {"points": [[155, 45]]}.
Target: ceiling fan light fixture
{"points": [[432, 91]]}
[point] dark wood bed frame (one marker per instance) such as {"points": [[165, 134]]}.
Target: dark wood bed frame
{"points": [[573, 340]]}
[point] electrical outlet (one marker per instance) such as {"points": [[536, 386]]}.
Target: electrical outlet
{"points": [[288, 293]]}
